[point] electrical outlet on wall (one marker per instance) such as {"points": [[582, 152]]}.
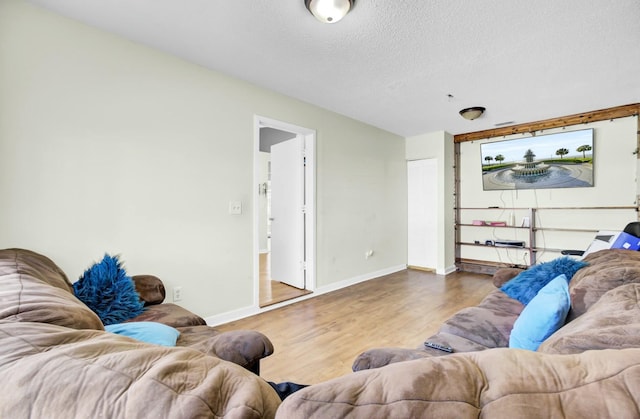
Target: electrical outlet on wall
{"points": [[235, 207], [177, 293]]}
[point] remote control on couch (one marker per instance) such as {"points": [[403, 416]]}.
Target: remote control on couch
{"points": [[438, 346]]}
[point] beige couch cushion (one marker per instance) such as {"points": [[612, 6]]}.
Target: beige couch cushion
{"points": [[612, 322], [496, 383], [34, 289], [488, 324], [607, 270]]}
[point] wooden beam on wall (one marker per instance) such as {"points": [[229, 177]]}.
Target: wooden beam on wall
{"points": [[564, 121]]}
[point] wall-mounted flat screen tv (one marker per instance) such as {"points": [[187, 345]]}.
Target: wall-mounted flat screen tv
{"points": [[562, 160]]}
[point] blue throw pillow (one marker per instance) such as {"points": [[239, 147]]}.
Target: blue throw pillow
{"points": [[150, 332], [107, 290], [526, 285], [545, 314]]}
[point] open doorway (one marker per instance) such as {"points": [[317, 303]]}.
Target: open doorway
{"points": [[284, 232]]}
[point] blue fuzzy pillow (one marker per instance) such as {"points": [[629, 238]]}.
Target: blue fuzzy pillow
{"points": [[526, 285], [107, 290]]}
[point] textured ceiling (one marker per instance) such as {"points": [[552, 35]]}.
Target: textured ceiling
{"points": [[393, 64]]}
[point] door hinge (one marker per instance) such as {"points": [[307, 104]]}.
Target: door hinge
{"points": [[303, 265], [304, 209]]}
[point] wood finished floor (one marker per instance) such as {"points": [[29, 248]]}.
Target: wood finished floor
{"points": [[272, 292], [317, 339]]}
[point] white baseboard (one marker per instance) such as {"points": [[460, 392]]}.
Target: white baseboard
{"points": [[252, 310], [231, 316], [448, 270], [356, 280]]}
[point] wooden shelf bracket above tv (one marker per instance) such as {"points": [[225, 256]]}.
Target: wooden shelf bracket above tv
{"points": [[564, 121]]}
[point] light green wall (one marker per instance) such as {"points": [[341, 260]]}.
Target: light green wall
{"points": [[109, 146]]}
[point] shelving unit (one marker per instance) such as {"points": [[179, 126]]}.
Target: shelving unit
{"points": [[531, 247], [488, 267]]}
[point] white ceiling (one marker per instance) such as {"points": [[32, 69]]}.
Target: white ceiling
{"points": [[392, 64]]}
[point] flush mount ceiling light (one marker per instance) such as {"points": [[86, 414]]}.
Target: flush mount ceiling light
{"points": [[329, 11], [472, 113]]}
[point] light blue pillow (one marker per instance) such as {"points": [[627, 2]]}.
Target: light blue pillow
{"points": [[544, 314], [150, 332]]}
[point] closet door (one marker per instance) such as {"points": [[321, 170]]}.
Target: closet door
{"points": [[422, 234]]}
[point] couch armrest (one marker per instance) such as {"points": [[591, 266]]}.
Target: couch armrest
{"points": [[243, 347], [150, 288], [502, 275]]}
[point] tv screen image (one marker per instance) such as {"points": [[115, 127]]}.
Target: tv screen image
{"points": [[561, 160]]}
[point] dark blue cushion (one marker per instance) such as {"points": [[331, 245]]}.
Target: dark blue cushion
{"points": [[107, 290], [526, 285]]}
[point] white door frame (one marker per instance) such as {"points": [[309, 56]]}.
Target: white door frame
{"points": [[310, 199]]}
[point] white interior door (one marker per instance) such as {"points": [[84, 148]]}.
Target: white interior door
{"points": [[422, 231], [287, 215]]}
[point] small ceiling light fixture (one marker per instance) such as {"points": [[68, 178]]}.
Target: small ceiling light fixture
{"points": [[472, 113], [329, 11]]}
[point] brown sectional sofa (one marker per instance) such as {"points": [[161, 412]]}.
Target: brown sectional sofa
{"points": [[57, 361], [589, 368]]}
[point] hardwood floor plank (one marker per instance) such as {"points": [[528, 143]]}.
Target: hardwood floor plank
{"points": [[317, 339]]}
